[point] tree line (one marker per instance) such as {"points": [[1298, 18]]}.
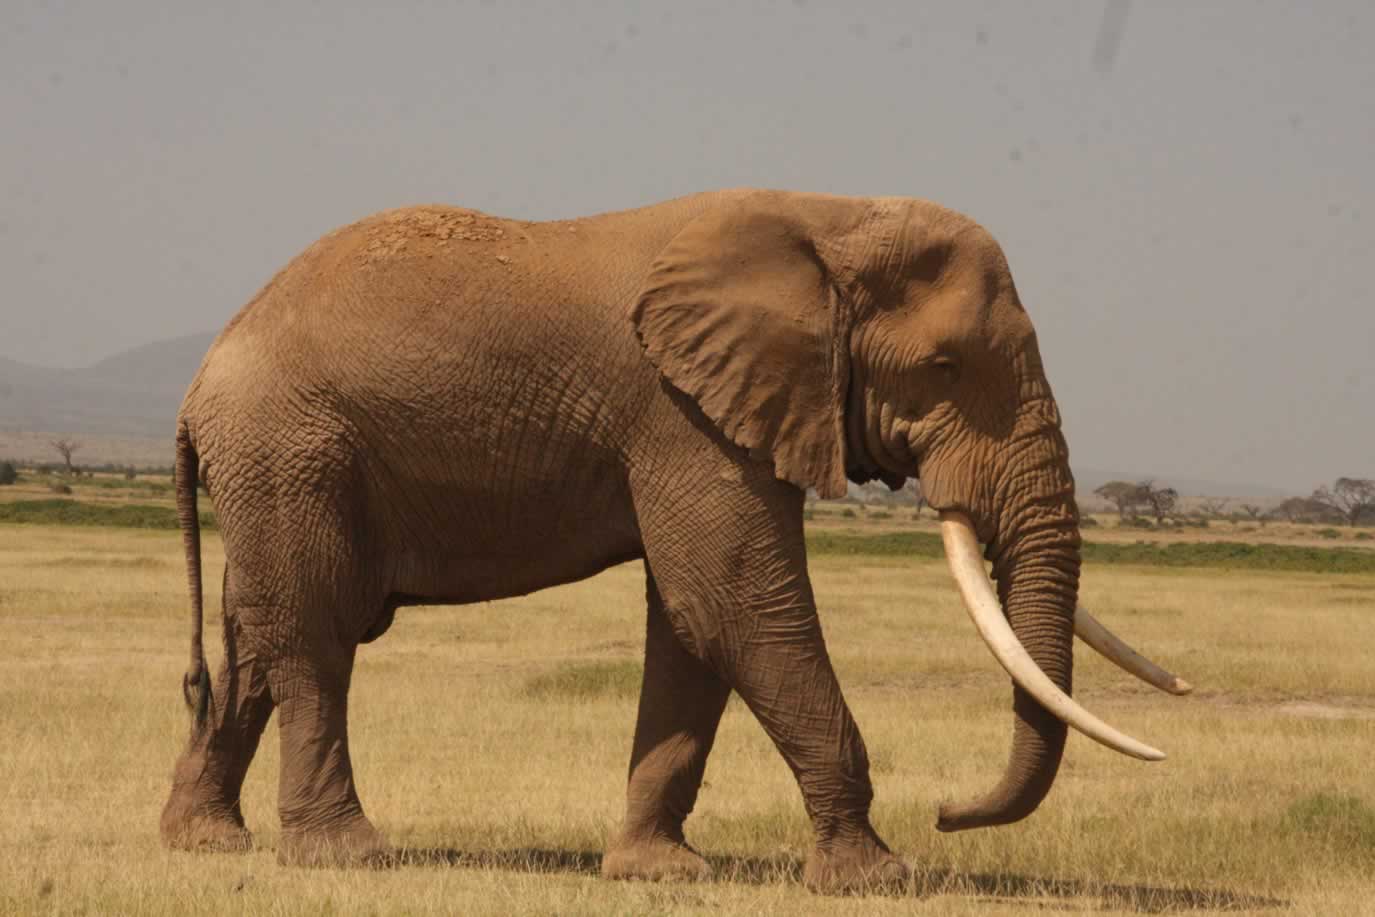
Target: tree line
{"points": [[1350, 501]]}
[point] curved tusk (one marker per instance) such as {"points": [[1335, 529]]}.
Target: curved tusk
{"points": [[1088, 629], [966, 565]]}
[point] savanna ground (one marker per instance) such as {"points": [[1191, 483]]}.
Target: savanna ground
{"points": [[492, 741]]}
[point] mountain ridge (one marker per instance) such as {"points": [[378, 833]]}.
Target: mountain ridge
{"points": [[135, 392]]}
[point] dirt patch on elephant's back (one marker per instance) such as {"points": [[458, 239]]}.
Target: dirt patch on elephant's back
{"points": [[390, 233]]}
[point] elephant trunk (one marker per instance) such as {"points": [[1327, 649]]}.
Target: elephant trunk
{"points": [[1038, 580], [1030, 623]]}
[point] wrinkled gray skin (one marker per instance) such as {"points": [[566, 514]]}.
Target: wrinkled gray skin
{"points": [[435, 405]]}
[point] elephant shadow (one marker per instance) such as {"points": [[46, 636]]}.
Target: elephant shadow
{"points": [[1008, 887]]}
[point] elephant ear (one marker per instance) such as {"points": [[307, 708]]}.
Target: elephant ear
{"points": [[742, 312]]}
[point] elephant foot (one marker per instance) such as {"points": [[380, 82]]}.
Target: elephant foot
{"points": [[188, 825], [206, 834], [356, 844], [866, 865], [655, 859]]}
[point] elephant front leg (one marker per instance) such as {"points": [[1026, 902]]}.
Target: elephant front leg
{"points": [[681, 702], [783, 673], [322, 819], [731, 566], [203, 811]]}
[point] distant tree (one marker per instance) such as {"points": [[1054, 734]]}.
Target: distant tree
{"points": [[65, 447], [8, 473], [1251, 510], [1305, 509], [1212, 507], [1291, 509], [1125, 495], [913, 487], [130, 473], [1161, 500], [1352, 498]]}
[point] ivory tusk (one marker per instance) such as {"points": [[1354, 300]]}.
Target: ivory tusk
{"points": [[1092, 632], [966, 565]]}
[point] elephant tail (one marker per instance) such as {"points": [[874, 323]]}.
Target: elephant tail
{"points": [[195, 686]]}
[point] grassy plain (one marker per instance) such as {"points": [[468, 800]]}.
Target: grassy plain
{"points": [[492, 741]]}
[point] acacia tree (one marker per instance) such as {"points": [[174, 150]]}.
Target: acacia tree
{"points": [[65, 447], [913, 487], [1212, 507], [1351, 498], [1305, 509], [1293, 509], [1161, 500], [1125, 495]]}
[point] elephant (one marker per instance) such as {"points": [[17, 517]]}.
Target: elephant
{"points": [[438, 406]]}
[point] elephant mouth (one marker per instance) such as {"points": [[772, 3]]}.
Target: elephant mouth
{"points": [[966, 566]]}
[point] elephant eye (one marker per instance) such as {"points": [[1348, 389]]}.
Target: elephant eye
{"points": [[948, 367]]}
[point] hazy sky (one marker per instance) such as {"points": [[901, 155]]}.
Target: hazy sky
{"points": [[1191, 227]]}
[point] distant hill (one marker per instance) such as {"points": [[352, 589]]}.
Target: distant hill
{"points": [[134, 393]]}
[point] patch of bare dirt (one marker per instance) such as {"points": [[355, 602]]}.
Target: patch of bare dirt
{"points": [[1327, 708], [1321, 711]]}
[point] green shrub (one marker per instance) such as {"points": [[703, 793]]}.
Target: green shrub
{"points": [[1327, 533], [588, 681], [881, 515], [847, 513], [1364, 536], [1223, 555], [8, 473], [59, 488], [1087, 522], [75, 512], [146, 486], [1344, 821], [891, 544]]}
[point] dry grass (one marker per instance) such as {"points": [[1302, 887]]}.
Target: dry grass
{"points": [[492, 742], [102, 487]]}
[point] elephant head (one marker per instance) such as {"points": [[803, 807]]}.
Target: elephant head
{"points": [[883, 338]]}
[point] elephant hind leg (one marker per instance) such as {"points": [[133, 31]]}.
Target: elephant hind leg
{"points": [[322, 818], [203, 811], [681, 702]]}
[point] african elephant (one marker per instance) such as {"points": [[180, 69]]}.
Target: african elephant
{"points": [[434, 405]]}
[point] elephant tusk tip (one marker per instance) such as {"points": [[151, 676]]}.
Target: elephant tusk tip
{"points": [[1180, 687]]}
